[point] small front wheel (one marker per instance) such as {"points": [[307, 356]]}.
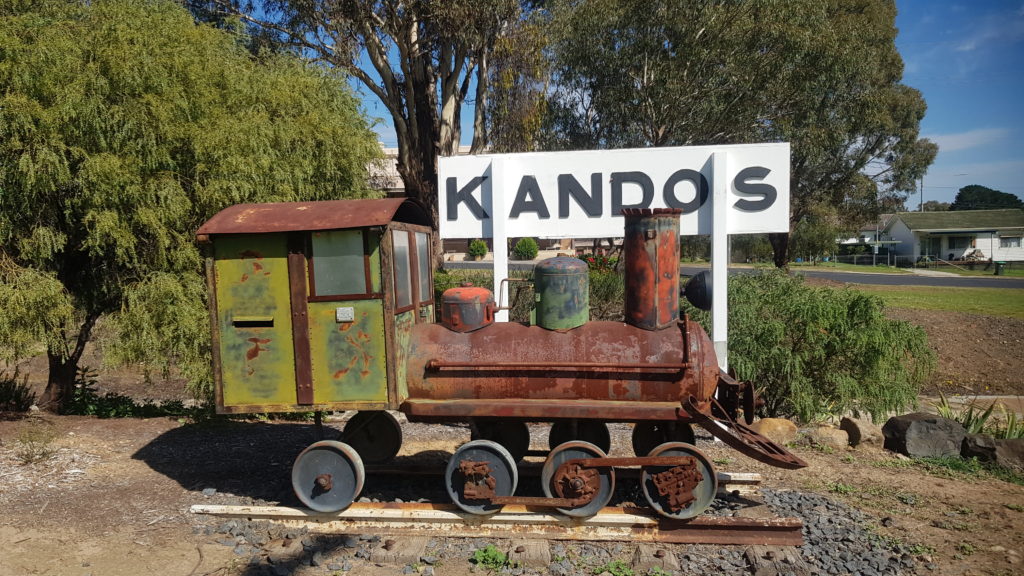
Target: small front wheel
{"points": [[328, 476], [478, 471], [682, 491]]}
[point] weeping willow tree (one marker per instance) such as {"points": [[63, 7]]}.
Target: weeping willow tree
{"points": [[819, 351], [123, 126]]}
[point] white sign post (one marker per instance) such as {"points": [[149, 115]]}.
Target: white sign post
{"points": [[733, 189]]}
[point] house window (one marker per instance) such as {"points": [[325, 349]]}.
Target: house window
{"points": [[338, 263], [959, 242], [1009, 242]]}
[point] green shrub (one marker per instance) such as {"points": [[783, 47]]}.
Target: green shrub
{"points": [[15, 396], [814, 352], [526, 249], [490, 558], [607, 295], [601, 263], [477, 249], [34, 442], [86, 401]]}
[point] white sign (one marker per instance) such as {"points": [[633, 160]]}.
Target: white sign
{"points": [[581, 194]]}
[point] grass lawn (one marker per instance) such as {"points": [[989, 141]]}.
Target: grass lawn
{"points": [[988, 301], [840, 267]]}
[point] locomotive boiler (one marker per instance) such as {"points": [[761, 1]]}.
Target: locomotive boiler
{"points": [[329, 306]]}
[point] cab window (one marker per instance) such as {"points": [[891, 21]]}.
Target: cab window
{"points": [[403, 270], [338, 263]]}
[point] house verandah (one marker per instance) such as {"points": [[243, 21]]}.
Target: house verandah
{"points": [[961, 235]]}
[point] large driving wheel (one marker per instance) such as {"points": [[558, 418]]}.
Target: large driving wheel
{"points": [[375, 434], [328, 476], [513, 436], [648, 435], [592, 431], [575, 481]]}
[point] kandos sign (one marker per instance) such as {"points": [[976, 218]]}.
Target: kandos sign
{"points": [[581, 194]]}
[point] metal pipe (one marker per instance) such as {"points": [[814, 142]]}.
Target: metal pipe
{"points": [[441, 364]]}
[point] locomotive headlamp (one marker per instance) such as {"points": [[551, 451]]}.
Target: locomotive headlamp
{"points": [[698, 290]]}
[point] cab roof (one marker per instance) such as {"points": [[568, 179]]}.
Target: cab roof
{"points": [[274, 217]]}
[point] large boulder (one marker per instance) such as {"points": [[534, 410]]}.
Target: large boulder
{"points": [[861, 431], [921, 435], [980, 446], [829, 437], [1010, 453], [778, 430]]}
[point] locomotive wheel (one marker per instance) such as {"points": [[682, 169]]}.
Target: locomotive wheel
{"points": [[702, 490], [599, 480], [328, 476], [513, 436], [375, 434], [592, 431], [648, 435], [499, 475]]}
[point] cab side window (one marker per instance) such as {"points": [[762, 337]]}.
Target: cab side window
{"points": [[403, 269], [338, 263]]}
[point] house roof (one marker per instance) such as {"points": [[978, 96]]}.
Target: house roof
{"points": [[323, 215], [961, 220]]}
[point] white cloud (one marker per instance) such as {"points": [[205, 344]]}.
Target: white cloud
{"points": [[969, 139], [995, 28]]}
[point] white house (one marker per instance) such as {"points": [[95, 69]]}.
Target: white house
{"points": [[959, 234]]}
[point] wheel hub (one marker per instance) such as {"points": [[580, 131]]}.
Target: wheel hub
{"points": [[676, 484]]}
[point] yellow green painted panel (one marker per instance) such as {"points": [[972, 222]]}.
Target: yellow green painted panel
{"points": [[254, 316], [348, 356]]}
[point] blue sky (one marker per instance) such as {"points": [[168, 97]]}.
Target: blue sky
{"points": [[967, 58]]}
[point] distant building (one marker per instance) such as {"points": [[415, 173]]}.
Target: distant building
{"points": [[958, 235]]}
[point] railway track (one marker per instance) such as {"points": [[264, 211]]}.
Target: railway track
{"points": [[515, 521], [623, 524]]}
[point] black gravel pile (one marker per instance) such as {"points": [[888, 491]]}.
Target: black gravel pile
{"points": [[837, 538]]}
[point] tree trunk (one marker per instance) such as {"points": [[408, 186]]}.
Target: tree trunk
{"points": [[60, 382], [780, 246]]}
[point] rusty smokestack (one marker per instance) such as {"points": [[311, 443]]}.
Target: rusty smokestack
{"points": [[651, 251]]}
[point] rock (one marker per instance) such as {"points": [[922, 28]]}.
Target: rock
{"points": [[923, 435], [980, 446], [778, 430], [209, 491], [1010, 453], [861, 431], [827, 436]]}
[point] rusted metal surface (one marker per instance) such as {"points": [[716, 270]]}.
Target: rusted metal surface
{"points": [[323, 215], [418, 410], [562, 286], [500, 346], [467, 308], [651, 263], [742, 438], [300, 320], [610, 524], [437, 364], [676, 484], [479, 482]]}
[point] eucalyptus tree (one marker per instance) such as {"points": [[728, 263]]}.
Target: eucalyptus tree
{"points": [[823, 75], [422, 59], [123, 126]]}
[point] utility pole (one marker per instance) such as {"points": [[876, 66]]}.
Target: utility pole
{"points": [[921, 209]]}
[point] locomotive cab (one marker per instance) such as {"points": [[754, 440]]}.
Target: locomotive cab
{"points": [[312, 303]]}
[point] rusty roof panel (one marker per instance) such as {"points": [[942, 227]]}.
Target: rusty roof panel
{"points": [[322, 215]]}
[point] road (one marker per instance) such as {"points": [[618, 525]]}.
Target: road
{"points": [[848, 277]]}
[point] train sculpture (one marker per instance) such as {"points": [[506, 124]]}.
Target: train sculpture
{"points": [[329, 306]]}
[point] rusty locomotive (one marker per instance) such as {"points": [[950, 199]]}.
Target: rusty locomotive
{"points": [[329, 306]]}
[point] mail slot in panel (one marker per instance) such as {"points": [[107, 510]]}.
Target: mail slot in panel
{"points": [[252, 321]]}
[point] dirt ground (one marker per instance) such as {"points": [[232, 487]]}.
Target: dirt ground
{"points": [[113, 497]]}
